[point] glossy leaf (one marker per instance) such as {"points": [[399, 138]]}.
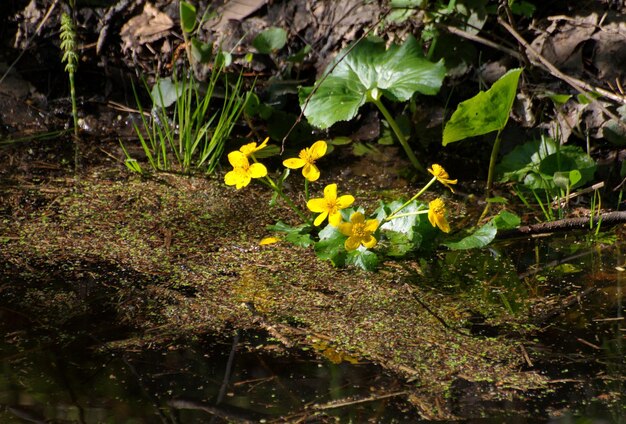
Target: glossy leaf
{"points": [[165, 92], [396, 73], [485, 112], [362, 258], [482, 237]]}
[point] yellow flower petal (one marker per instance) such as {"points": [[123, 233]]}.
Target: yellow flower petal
{"points": [[329, 205], [316, 205], [371, 225], [257, 170], [359, 232], [345, 228], [318, 149], [294, 163], [345, 201], [251, 148], [334, 218], [237, 159], [369, 241], [352, 243], [442, 176], [269, 240], [231, 178], [330, 191], [320, 218], [237, 178], [436, 215], [310, 172], [357, 218]]}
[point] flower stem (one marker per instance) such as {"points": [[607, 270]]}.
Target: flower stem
{"points": [[492, 167], [400, 215], [419, 193], [306, 190], [271, 184], [396, 129]]}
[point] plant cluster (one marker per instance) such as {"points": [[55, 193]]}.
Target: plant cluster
{"points": [[351, 235], [200, 130]]}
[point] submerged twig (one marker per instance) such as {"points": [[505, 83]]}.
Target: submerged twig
{"points": [[605, 219], [349, 402], [430, 311]]}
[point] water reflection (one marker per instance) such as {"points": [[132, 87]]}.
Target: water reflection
{"points": [[202, 381]]}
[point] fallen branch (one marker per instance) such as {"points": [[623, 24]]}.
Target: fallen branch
{"points": [[577, 84], [606, 220]]}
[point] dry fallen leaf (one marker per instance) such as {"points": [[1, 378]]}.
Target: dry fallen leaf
{"points": [[150, 26]]}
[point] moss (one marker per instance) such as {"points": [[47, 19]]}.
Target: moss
{"points": [[192, 245]]}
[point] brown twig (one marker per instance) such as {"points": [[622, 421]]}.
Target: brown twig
{"points": [[577, 84], [478, 39], [348, 402], [430, 311], [567, 224]]}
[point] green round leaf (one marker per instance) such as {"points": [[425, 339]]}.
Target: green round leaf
{"points": [[397, 73], [482, 237], [165, 92], [200, 51], [270, 40]]}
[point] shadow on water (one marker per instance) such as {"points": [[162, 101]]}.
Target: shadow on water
{"points": [[66, 371], [575, 290]]}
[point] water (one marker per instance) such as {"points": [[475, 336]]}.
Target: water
{"points": [[69, 372]]}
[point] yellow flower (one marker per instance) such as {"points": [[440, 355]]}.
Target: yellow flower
{"points": [[243, 171], [359, 231], [269, 240], [251, 148], [330, 205], [442, 176], [437, 215], [306, 160]]}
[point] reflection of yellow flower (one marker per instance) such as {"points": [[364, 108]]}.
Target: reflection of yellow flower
{"points": [[442, 176], [251, 148], [306, 160], [359, 231], [437, 215], [330, 205], [243, 171]]}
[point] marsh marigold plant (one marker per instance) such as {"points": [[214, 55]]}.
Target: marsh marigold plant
{"points": [[360, 241]]}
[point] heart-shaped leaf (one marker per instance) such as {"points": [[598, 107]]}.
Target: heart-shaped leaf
{"points": [[485, 112], [396, 73], [482, 237], [270, 40]]}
